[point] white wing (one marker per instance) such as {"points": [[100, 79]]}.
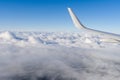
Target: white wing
{"points": [[108, 37]]}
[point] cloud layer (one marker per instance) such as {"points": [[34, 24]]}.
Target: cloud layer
{"points": [[35, 56]]}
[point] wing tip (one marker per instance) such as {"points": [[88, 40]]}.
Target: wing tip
{"points": [[75, 20]]}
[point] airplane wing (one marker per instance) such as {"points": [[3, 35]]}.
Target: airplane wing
{"points": [[107, 37]]}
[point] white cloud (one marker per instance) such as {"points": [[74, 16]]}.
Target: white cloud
{"points": [[56, 56]]}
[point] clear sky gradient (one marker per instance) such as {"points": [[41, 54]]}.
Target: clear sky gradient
{"points": [[52, 15]]}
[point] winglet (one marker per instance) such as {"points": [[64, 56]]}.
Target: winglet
{"points": [[75, 20]]}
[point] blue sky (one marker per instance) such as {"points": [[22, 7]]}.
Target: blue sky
{"points": [[52, 15]]}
